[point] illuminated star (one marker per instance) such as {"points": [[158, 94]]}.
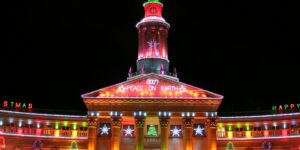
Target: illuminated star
{"points": [[153, 45], [182, 89], [104, 130], [175, 131], [128, 131], [121, 88], [199, 130]]}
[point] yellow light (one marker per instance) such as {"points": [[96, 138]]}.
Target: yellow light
{"points": [[74, 133], [176, 93], [196, 94], [229, 134], [84, 124], [220, 125], [151, 93], [65, 123], [248, 134], [56, 133]]}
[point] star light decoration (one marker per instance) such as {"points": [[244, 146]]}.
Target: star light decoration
{"points": [[128, 131], [152, 45], [104, 130], [175, 131], [199, 130]]}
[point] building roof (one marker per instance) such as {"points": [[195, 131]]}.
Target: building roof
{"points": [[152, 86]]}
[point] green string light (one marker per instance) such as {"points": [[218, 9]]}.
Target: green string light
{"points": [[153, 0]]}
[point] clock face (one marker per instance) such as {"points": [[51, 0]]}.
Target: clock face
{"points": [[153, 10]]}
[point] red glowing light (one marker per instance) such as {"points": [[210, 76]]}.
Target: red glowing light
{"points": [[20, 130], [153, 9], [152, 86], [38, 131], [284, 132]]}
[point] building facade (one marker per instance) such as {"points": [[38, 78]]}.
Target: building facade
{"points": [[152, 110]]}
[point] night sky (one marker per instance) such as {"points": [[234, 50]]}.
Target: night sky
{"points": [[54, 51]]}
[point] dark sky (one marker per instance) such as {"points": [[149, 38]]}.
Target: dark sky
{"points": [[54, 51]]}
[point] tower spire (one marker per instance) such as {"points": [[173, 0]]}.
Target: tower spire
{"points": [[153, 34]]}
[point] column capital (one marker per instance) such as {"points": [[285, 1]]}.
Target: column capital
{"points": [[116, 120], [92, 121], [140, 121], [211, 122], [164, 121], [188, 121]]}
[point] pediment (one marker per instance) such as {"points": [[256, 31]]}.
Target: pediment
{"points": [[151, 86]]}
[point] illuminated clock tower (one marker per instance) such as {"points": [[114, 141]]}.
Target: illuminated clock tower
{"points": [[152, 110], [153, 34]]}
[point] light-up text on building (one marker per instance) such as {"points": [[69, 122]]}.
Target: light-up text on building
{"points": [[16, 105], [152, 85]]}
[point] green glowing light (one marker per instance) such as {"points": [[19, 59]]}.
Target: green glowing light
{"points": [[229, 128], [239, 125], [84, 124], [152, 131], [56, 125], [74, 126], [247, 127], [151, 1]]}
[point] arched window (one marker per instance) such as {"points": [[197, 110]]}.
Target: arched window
{"points": [[229, 146]]}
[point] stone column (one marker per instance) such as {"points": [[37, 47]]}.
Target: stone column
{"points": [[92, 133], [211, 125], [164, 129], [188, 133], [140, 122], [116, 132]]}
